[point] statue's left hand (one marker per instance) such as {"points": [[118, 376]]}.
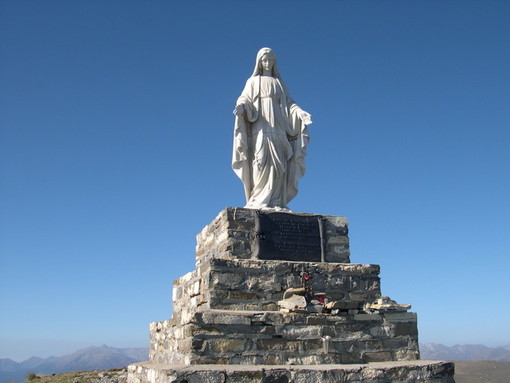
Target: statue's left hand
{"points": [[239, 109], [306, 118]]}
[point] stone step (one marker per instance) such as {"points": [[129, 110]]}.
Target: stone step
{"points": [[257, 337], [385, 372], [259, 285]]}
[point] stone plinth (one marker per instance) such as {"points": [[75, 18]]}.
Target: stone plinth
{"points": [[229, 323], [233, 233], [382, 372]]}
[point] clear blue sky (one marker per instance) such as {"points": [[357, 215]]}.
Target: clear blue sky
{"points": [[115, 147]]}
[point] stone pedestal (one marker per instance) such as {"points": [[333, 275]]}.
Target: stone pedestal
{"points": [[228, 324]]}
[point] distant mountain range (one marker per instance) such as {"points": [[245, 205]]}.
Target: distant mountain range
{"points": [[464, 352], [91, 358], [105, 357]]}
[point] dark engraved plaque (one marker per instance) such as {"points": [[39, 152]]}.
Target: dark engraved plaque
{"points": [[288, 237]]}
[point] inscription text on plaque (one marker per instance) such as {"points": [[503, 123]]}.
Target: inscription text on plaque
{"points": [[289, 237]]}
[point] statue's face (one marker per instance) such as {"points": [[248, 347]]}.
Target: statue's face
{"points": [[267, 62]]}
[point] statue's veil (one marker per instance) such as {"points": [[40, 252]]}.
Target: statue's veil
{"points": [[258, 70]]}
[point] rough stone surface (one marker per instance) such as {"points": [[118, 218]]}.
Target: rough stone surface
{"points": [[293, 303], [385, 372], [258, 285], [262, 337], [226, 321], [232, 233]]}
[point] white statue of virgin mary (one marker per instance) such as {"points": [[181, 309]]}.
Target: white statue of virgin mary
{"points": [[270, 137]]}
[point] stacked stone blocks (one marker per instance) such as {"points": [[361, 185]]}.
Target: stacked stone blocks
{"points": [[230, 236], [379, 372], [227, 324], [226, 311]]}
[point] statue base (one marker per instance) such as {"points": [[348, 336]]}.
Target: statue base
{"points": [[274, 298], [381, 372]]}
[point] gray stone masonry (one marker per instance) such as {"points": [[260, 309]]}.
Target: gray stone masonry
{"points": [[230, 236], [227, 324], [226, 311], [382, 372], [265, 337], [259, 285]]}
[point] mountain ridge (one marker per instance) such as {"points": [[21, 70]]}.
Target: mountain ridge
{"points": [[91, 358], [465, 352]]}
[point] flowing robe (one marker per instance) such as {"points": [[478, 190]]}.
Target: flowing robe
{"points": [[269, 143]]}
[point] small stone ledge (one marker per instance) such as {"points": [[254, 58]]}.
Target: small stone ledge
{"points": [[377, 372]]}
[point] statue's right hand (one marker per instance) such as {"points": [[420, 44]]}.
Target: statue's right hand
{"points": [[239, 109]]}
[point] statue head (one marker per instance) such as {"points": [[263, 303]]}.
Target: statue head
{"points": [[258, 66]]}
